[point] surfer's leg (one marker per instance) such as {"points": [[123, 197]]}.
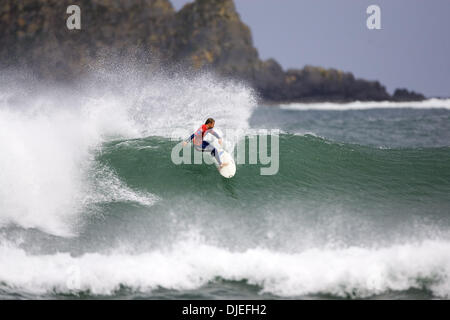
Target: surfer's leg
{"points": [[215, 154], [207, 147]]}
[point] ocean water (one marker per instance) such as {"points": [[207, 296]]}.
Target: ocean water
{"points": [[93, 207]]}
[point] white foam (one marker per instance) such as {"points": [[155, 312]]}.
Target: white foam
{"points": [[175, 108], [105, 187], [44, 166], [356, 272], [364, 105], [49, 137]]}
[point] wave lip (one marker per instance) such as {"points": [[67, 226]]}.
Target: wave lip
{"points": [[46, 170], [353, 272], [50, 136]]}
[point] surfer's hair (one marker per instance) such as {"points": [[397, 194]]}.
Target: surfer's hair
{"points": [[210, 120]]}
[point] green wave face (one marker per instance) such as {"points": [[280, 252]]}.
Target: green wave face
{"points": [[324, 193]]}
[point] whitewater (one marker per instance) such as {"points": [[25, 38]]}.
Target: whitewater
{"points": [[92, 206]]}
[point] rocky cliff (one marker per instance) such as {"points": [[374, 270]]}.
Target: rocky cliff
{"points": [[203, 35]]}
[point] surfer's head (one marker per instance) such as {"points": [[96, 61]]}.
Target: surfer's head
{"points": [[210, 123]]}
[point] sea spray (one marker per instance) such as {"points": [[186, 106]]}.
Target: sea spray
{"points": [[339, 219], [50, 135]]}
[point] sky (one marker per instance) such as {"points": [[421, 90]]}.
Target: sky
{"points": [[411, 50]]}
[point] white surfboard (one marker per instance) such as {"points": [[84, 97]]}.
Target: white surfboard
{"points": [[229, 170]]}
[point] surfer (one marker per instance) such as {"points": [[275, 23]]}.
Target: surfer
{"points": [[200, 145]]}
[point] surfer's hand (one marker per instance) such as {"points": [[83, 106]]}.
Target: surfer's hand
{"points": [[184, 143], [220, 141]]}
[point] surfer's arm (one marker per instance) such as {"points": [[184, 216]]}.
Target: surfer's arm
{"points": [[185, 142], [215, 134]]}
